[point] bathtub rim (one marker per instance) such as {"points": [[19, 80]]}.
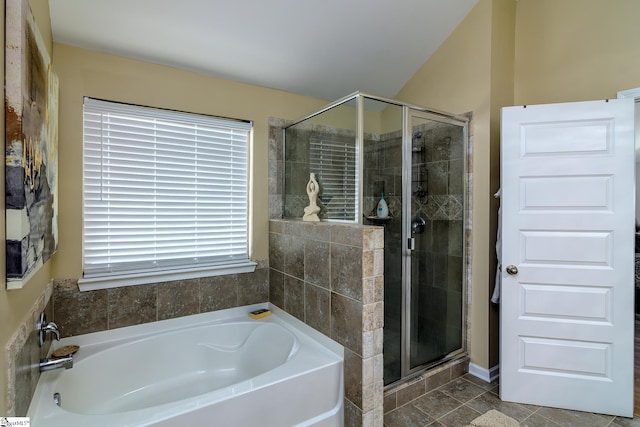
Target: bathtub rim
{"points": [[97, 341]]}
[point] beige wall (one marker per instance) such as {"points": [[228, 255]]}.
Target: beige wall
{"points": [[502, 75], [87, 73], [576, 50]]}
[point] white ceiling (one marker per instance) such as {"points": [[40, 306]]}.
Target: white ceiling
{"points": [[321, 48]]}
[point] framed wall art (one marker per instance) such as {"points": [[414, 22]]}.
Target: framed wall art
{"points": [[31, 147]]}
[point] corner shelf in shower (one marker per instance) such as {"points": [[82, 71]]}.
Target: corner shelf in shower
{"points": [[379, 221]]}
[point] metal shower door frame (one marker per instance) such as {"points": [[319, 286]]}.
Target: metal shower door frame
{"points": [[408, 113]]}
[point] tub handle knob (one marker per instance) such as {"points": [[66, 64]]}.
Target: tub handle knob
{"points": [[43, 327]]}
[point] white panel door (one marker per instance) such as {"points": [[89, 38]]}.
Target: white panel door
{"points": [[567, 301]]}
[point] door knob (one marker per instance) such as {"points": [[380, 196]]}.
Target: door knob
{"points": [[512, 270]]}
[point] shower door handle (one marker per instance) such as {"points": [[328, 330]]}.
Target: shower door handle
{"points": [[411, 244]]}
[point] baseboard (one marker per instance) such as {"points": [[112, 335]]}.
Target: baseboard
{"points": [[488, 375]]}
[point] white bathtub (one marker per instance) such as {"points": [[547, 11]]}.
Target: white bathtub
{"points": [[214, 369]]}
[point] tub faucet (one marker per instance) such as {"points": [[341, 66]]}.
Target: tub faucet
{"points": [[65, 362], [43, 327]]}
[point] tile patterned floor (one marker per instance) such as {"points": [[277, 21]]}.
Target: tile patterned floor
{"points": [[458, 402]]}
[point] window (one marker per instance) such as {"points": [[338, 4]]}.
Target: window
{"points": [[164, 195], [334, 162]]}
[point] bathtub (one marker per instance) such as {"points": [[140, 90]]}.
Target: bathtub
{"points": [[214, 369]]}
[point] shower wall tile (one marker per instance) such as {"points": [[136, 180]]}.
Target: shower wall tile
{"points": [[276, 167], [456, 176], [456, 241], [438, 182], [276, 204], [275, 176], [440, 271], [441, 237], [296, 177], [392, 158], [455, 273], [441, 147]]}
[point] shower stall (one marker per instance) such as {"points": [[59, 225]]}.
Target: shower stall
{"points": [[362, 148]]}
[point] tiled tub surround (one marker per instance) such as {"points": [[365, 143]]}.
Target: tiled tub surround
{"points": [[23, 356], [78, 313], [330, 276]]}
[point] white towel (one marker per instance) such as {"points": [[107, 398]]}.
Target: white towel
{"points": [[495, 298]]}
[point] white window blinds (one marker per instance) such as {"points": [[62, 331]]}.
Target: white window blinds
{"points": [[163, 190], [334, 163]]}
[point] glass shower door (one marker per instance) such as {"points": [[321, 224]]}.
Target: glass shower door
{"points": [[434, 226]]}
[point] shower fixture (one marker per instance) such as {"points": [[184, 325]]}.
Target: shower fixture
{"points": [[419, 166]]}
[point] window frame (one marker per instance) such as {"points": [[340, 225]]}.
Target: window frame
{"points": [[108, 279]]}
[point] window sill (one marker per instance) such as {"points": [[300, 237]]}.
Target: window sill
{"points": [[108, 282]]}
